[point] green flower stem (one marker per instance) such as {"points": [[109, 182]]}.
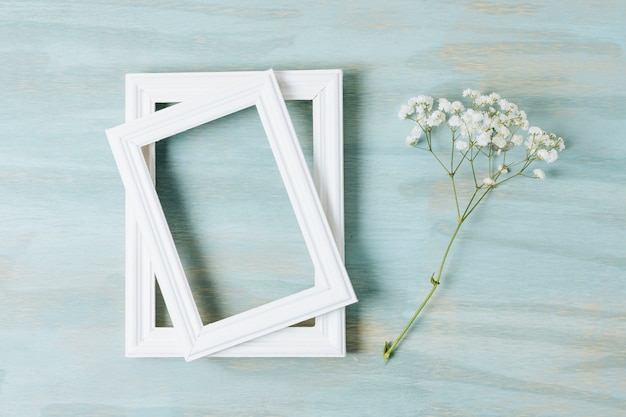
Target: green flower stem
{"points": [[470, 208], [456, 197], [445, 255], [389, 348]]}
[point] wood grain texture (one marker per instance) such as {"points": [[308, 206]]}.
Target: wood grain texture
{"points": [[530, 319]]}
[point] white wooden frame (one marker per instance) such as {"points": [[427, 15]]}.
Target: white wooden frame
{"points": [[332, 287], [324, 88]]}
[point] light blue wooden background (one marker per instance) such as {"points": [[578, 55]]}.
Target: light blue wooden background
{"points": [[530, 320]]}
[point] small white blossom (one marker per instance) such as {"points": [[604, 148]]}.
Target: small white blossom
{"points": [[482, 100], [405, 111], [483, 139], [426, 102], [444, 105], [523, 124], [454, 121], [461, 145], [414, 137], [502, 130], [476, 116], [489, 182], [531, 146], [471, 93], [471, 122], [457, 107], [499, 141], [555, 142], [503, 169], [548, 155], [436, 118], [539, 173], [517, 140], [504, 104], [503, 119], [494, 97], [411, 140], [542, 154], [420, 116]]}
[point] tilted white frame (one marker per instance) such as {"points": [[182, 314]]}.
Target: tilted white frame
{"points": [[332, 287], [324, 88]]}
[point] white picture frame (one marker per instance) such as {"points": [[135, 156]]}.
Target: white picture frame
{"points": [[324, 88], [332, 288]]}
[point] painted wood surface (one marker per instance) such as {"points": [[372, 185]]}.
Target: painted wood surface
{"points": [[530, 319]]}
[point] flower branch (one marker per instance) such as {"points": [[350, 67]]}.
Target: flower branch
{"points": [[483, 135]]}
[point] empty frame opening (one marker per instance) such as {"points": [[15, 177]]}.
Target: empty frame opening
{"points": [[230, 216]]}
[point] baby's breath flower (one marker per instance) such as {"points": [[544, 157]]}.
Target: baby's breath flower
{"points": [[532, 142], [457, 107], [444, 105], [461, 145], [454, 121], [486, 135], [405, 111], [420, 117], [503, 119], [415, 135], [424, 102], [483, 139], [555, 142], [499, 141], [482, 100], [551, 156], [548, 155], [475, 116], [523, 124], [502, 131], [504, 104], [539, 173], [471, 93], [517, 140], [494, 97], [411, 140], [436, 118]]}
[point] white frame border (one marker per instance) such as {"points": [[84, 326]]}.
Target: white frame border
{"points": [[327, 337]]}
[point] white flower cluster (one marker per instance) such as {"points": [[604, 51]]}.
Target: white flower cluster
{"points": [[491, 125]]}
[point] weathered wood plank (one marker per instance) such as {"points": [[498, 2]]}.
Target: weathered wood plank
{"points": [[530, 317]]}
